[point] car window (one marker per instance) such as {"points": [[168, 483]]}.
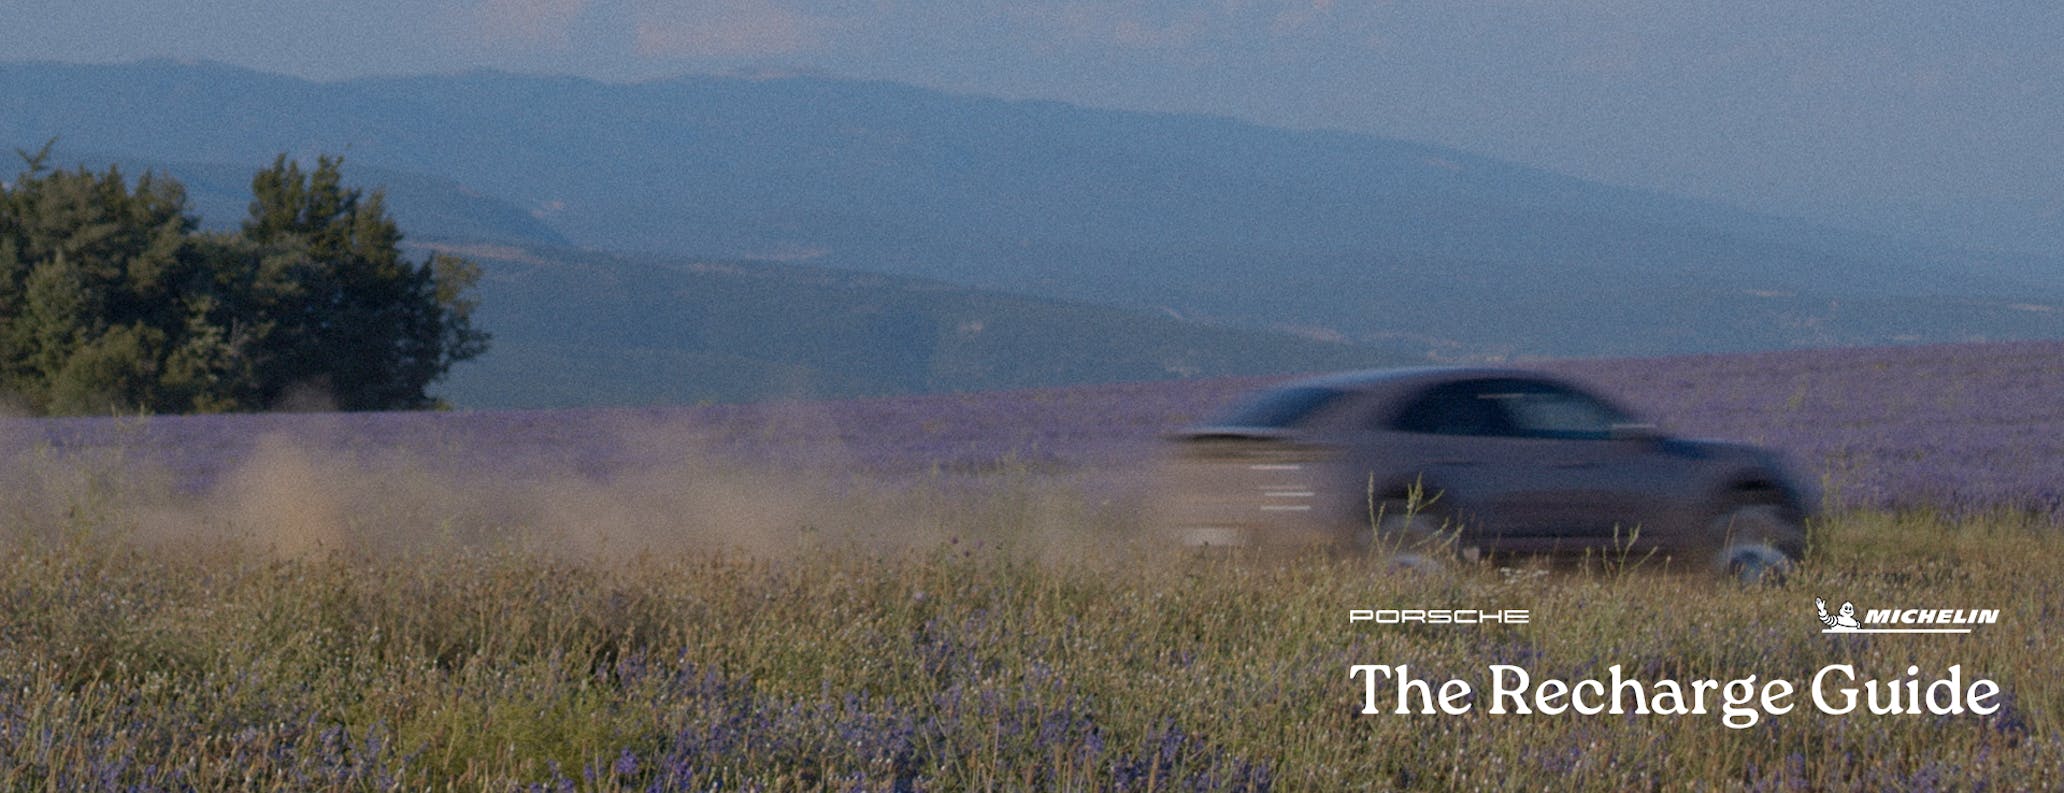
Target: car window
{"points": [[1281, 407], [1535, 409], [1452, 409], [1508, 408]]}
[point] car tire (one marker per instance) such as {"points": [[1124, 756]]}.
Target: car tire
{"points": [[1408, 536], [1760, 542]]}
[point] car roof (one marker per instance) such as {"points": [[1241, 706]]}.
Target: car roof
{"points": [[1383, 384], [1386, 379]]}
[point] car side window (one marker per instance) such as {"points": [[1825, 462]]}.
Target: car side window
{"points": [[1451, 409], [1535, 409], [1508, 408]]}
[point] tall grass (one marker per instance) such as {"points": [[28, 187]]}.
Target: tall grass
{"points": [[1034, 647]]}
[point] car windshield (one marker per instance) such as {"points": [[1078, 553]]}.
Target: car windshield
{"points": [[1278, 408]]}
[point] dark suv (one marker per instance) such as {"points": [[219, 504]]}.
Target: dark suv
{"points": [[1474, 461]]}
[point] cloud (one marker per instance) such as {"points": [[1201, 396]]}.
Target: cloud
{"points": [[727, 29], [545, 23]]}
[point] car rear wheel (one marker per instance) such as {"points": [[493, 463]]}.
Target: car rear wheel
{"points": [[1409, 534], [1761, 542]]}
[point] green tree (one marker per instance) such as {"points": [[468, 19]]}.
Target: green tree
{"points": [[354, 319], [90, 274], [111, 300]]}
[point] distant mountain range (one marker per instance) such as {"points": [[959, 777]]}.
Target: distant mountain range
{"points": [[582, 328], [1408, 250]]}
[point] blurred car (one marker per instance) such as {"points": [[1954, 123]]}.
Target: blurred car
{"points": [[1474, 461]]}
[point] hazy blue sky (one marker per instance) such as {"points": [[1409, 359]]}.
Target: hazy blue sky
{"points": [[1940, 118]]}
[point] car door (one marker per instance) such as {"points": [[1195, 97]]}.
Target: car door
{"points": [[1533, 465], [1458, 440], [1587, 483]]}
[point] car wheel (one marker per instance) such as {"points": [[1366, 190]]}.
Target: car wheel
{"points": [[1410, 536], [1760, 542]]}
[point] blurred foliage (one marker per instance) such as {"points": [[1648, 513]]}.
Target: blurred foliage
{"points": [[111, 300]]}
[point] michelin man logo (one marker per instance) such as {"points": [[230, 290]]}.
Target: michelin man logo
{"points": [[1896, 620], [1846, 621]]}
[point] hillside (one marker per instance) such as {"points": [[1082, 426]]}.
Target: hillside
{"points": [[1327, 233], [574, 328]]}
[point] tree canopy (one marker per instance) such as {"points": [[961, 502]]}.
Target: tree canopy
{"points": [[113, 300]]}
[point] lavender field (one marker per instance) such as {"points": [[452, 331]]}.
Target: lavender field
{"points": [[939, 593], [1958, 428]]}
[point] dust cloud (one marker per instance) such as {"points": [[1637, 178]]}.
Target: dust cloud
{"points": [[312, 486]]}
